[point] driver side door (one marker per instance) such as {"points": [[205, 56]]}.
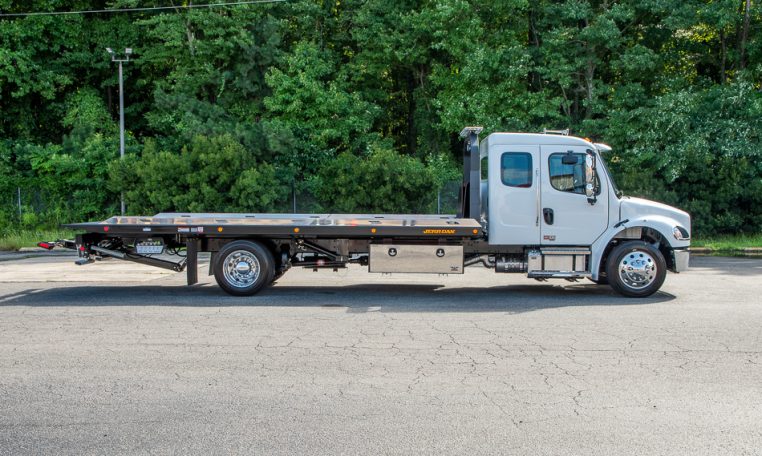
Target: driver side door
{"points": [[567, 216]]}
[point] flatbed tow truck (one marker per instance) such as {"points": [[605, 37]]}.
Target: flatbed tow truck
{"points": [[539, 204]]}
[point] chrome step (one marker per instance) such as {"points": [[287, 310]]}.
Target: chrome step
{"points": [[558, 275], [565, 250]]}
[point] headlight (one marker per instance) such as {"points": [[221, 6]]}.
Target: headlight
{"points": [[680, 233]]}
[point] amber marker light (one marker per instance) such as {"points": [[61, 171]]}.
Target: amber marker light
{"points": [[296, 230], [219, 229], [372, 230], [476, 231]]}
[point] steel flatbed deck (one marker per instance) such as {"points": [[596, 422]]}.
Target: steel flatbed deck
{"points": [[276, 225]]}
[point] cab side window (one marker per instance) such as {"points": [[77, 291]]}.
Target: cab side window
{"points": [[516, 169], [567, 177]]}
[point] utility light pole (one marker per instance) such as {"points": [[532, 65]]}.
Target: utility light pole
{"points": [[121, 59]]}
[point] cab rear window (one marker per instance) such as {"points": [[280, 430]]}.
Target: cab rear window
{"points": [[516, 169]]}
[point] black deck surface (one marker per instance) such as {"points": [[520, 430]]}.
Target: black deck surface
{"points": [[322, 225]]}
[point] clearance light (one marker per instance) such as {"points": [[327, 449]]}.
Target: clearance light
{"points": [[219, 229], [296, 230]]}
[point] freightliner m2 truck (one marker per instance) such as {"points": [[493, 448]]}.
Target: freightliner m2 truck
{"points": [[543, 205]]}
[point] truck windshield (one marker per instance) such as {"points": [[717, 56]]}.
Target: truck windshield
{"points": [[602, 165]]}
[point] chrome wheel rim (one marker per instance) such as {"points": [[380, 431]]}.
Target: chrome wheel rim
{"points": [[241, 269], [637, 269]]}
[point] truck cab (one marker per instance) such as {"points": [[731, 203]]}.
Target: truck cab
{"points": [[553, 195]]}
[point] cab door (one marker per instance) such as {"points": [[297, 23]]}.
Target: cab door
{"points": [[567, 218], [514, 194]]}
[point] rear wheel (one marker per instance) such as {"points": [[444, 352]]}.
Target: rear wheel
{"points": [[636, 269], [243, 268]]}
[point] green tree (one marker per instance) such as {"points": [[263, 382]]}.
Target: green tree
{"points": [[212, 174], [280, 95], [384, 181], [700, 149]]}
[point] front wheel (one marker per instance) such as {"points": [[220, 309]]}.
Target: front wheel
{"points": [[636, 269], [243, 268]]}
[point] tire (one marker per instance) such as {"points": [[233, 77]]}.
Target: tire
{"points": [[636, 269], [243, 268]]}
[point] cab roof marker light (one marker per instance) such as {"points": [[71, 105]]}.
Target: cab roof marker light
{"points": [[602, 148]]}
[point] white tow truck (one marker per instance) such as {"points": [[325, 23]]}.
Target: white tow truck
{"points": [[543, 205]]}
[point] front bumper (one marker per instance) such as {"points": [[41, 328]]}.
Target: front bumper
{"points": [[681, 258]]}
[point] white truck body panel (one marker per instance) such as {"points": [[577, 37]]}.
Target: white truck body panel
{"points": [[513, 217]]}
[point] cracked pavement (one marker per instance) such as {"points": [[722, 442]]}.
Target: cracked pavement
{"points": [[350, 362]]}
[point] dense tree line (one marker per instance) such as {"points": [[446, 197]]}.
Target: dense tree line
{"points": [[359, 102]]}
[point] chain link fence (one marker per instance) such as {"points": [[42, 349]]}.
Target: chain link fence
{"points": [[19, 201], [24, 203], [443, 201], [24, 207]]}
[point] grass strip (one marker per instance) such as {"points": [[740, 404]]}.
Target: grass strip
{"points": [[17, 239], [729, 242]]}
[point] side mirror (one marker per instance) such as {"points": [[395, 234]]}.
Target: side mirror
{"points": [[569, 158], [590, 189]]}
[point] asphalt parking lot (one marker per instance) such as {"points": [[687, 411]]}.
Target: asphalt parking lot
{"points": [[119, 358]]}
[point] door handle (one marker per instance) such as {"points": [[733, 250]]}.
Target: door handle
{"points": [[547, 214]]}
